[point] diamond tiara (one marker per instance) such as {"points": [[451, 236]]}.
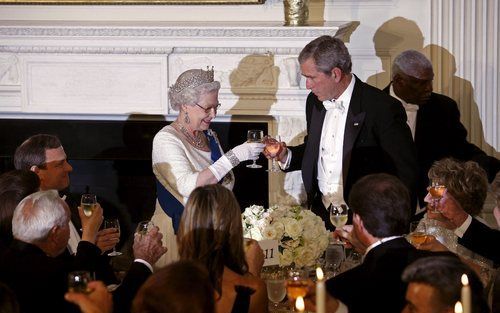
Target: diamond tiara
{"points": [[199, 77]]}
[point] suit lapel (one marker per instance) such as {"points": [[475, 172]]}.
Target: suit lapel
{"points": [[353, 124], [311, 154]]}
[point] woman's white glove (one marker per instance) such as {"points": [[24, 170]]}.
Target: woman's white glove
{"points": [[245, 151]]}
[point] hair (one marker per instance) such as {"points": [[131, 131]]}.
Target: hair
{"points": [[191, 95], [37, 214], [14, 186], [211, 232], [495, 188], [411, 62], [444, 274], [32, 151], [467, 182], [8, 300], [383, 203], [183, 286], [327, 52]]}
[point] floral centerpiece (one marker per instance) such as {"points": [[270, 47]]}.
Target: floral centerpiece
{"points": [[301, 234]]}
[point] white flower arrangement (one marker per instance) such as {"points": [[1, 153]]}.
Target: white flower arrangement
{"points": [[301, 234]]}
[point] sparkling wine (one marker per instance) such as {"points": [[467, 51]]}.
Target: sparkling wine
{"points": [[276, 290], [296, 288], [338, 220], [88, 208], [418, 238]]}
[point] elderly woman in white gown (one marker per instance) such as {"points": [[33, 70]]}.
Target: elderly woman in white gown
{"points": [[187, 153]]}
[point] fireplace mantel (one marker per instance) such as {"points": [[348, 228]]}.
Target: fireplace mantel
{"points": [[110, 70]]}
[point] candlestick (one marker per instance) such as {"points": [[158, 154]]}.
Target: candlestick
{"points": [[465, 295], [458, 307], [320, 292], [299, 304]]}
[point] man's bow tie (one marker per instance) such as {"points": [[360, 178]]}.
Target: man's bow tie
{"points": [[332, 104]]}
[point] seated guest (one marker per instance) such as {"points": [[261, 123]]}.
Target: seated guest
{"points": [[187, 153], [98, 301], [211, 233], [466, 189], [380, 205], [434, 285], [180, 287], [14, 186]]}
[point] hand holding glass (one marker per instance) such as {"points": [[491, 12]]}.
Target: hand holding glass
{"points": [[88, 203], [255, 135], [338, 214], [273, 147], [144, 227], [113, 223], [436, 190]]}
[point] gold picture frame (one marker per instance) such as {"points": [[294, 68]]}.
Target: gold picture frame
{"points": [[131, 2]]}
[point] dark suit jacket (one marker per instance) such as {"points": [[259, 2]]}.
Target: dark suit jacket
{"points": [[376, 139], [376, 285], [482, 240], [440, 134]]}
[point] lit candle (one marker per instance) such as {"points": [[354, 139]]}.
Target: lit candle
{"points": [[458, 307], [465, 294], [299, 304], [320, 291]]}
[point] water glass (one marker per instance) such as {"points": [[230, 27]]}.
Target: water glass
{"points": [[334, 257]]}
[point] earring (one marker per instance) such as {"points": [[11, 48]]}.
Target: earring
{"points": [[186, 118]]}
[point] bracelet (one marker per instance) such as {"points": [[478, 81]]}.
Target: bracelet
{"points": [[232, 158]]}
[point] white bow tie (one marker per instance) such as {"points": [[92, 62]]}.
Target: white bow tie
{"points": [[332, 104]]}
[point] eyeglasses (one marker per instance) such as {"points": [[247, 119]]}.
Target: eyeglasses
{"points": [[208, 110]]}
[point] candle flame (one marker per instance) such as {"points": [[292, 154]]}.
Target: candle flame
{"points": [[299, 304], [458, 307], [319, 273], [465, 280]]}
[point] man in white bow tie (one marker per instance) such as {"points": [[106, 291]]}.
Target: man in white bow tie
{"points": [[353, 129]]}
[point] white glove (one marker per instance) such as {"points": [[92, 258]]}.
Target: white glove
{"points": [[243, 152]]}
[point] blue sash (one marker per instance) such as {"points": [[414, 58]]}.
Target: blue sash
{"points": [[170, 205]]}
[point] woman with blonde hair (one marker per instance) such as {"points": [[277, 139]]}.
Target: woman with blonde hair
{"points": [[211, 232]]}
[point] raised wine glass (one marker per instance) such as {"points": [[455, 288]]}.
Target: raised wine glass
{"points": [[338, 214], [436, 190], [143, 227], [88, 203], [254, 135], [113, 223], [273, 147]]}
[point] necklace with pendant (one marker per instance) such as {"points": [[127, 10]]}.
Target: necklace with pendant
{"points": [[197, 141]]}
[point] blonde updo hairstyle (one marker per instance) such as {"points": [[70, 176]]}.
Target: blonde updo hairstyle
{"points": [[190, 86]]}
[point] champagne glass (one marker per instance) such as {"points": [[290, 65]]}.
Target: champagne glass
{"points": [[436, 190], [144, 227], [276, 288], [273, 147], [418, 233], [296, 284], [88, 203], [338, 214], [254, 135], [113, 223], [78, 280]]}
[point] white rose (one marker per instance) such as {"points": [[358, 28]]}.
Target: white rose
{"points": [[269, 232], [279, 228], [305, 256], [255, 234], [286, 257], [291, 244], [293, 228]]}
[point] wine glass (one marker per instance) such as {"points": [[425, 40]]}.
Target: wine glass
{"points": [[296, 284], [144, 227], [436, 190], [78, 280], [334, 257], [338, 214], [418, 233], [273, 147], [88, 203], [276, 288], [113, 223], [254, 135]]}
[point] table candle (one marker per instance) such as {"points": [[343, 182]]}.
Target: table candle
{"points": [[458, 307], [299, 304], [465, 294], [320, 292]]}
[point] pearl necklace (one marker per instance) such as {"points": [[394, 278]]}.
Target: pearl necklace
{"points": [[197, 141]]}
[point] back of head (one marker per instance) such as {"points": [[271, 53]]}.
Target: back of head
{"points": [[444, 273], [180, 287], [211, 232], [32, 151], [412, 63], [467, 182], [14, 186], [327, 52], [37, 214], [383, 203]]}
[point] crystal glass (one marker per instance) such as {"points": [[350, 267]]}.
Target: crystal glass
{"points": [[436, 190], [276, 287], [334, 257], [254, 135], [296, 284], [273, 147], [144, 227], [88, 203], [78, 280], [338, 216], [113, 223], [418, 233]]}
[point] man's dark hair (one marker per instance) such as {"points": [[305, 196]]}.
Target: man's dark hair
{"points": [[383, 203], [444, 274], [32, 151]]}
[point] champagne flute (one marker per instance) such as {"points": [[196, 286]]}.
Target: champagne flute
{"points": [[88, 203], [436, 190], [273, 147], [254, 135], [113, 223]]}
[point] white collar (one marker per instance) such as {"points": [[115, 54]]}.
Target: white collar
{"points": [[379, 242], [406, 105]]}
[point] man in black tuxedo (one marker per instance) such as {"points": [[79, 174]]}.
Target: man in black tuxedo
{"points": [[353, 130], [434, 119], [380, 204]]}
